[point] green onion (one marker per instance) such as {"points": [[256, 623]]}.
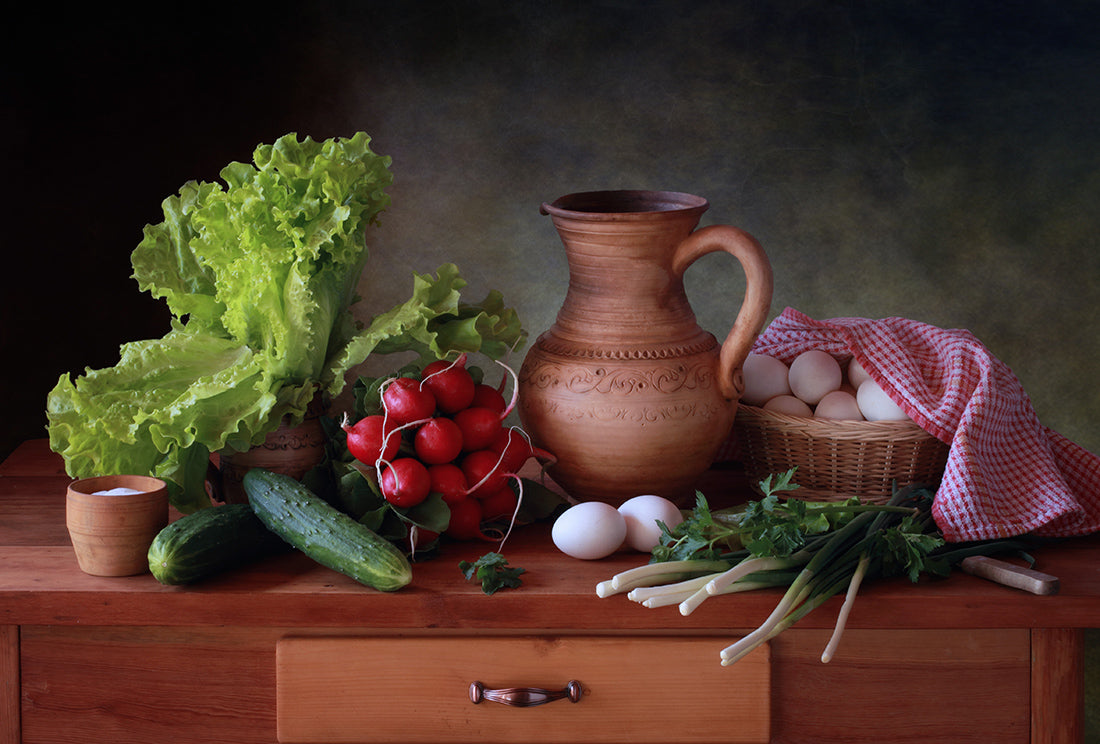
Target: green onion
{"points": [[814, 550]]}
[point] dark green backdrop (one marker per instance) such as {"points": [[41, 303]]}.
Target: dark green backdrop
{"points": [[936, 160]]}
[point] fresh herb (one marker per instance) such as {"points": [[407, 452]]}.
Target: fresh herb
{"points": [[699, 537], [814, 550], [493, 571], [907, 549], [769, 527], [778, 528]]}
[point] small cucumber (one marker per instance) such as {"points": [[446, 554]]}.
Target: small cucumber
{"points": [[325, 534], [210, 541]]}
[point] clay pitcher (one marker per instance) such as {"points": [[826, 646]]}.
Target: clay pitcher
{"points": [[625, 388]]}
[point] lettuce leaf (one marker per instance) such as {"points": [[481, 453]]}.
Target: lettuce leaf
{"points": [[260, 276], [435, 323]]}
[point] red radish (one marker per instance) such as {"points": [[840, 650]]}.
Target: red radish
{"points": [[465, 521], [488, 397], [448, 481], [479, 427], [499, 504], [483, 472], [450, 383], [365, 440], [438, 441], [405, 401], [405, 482]]}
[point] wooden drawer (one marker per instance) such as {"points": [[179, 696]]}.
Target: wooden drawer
{"points": [[211, 685], [355, 689]]}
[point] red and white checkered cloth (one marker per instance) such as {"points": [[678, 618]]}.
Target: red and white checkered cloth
{"points": [[1006, 474]]}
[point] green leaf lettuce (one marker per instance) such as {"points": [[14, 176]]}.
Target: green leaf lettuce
{"points": [[259, 274]]}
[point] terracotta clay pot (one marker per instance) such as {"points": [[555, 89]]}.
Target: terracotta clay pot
{"points": [[111, 533], [290, 450], [625, 388]]}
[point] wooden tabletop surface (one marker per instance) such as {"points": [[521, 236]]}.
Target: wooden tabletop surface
{"points": [[40, 583]]}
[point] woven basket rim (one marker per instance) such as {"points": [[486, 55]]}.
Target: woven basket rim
{"points": [[839, 429]]}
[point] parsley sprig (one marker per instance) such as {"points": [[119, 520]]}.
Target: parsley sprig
{"points": [[493, 571], [772, 526]]}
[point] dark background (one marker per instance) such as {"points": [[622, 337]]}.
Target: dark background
{"points": [[936, 160]]}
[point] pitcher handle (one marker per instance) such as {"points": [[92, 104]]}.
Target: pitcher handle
{"points": [[754, 307]]}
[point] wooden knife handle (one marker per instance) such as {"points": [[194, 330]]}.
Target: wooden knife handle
{"points": [[1010, 575]]}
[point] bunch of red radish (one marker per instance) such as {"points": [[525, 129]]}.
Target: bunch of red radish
{"points": [[445, 433]]}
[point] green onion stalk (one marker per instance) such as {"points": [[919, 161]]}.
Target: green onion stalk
{"points": [[814, 550]]}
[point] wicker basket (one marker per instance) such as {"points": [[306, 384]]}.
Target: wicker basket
{"points": [[838, 459]]}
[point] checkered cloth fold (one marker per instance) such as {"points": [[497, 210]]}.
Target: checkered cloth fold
{"points": [[1006, 473]]}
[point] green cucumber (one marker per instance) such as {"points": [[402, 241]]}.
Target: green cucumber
{"points": [[325, 534], [210, 541]]}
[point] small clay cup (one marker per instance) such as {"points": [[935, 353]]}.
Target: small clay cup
{"points": [[111, 534]]}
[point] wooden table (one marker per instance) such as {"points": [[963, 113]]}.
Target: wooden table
{"points": [[288, 650]]}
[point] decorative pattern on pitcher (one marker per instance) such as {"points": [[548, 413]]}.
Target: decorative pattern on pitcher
{"points": [[561, 348], [643, 415], [622, 380]]}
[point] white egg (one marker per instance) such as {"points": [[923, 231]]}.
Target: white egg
{"points": [[642, 514], [765, 378], [838, 405], [589, 530], [813, 375], [789, 405], [857, 375], [876, 405]]}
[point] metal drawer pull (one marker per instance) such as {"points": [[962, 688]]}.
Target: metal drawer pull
{"points": [[524, 697]]}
